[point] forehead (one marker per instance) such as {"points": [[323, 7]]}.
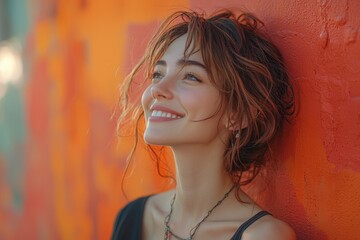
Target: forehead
{"points": [[177, 48]]}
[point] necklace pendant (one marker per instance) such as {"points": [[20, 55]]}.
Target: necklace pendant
{"points": [[167, 234]]}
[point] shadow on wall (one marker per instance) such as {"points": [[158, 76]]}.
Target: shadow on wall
{"points": [[294, 215], [288, 205], [274, 190]]}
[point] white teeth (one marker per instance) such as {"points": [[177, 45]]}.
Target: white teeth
{"points": [[157, 113]]}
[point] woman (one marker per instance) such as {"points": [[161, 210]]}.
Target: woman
{"points": [[217, 94]]}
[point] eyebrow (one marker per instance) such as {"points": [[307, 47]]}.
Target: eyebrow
{"points": [[183, 62]]}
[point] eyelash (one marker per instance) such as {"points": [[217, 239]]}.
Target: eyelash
{"points": [[190, 75], [156, 75], [187, 76]]}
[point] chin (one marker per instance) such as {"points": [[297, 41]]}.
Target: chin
{"points": [[155, 140]]}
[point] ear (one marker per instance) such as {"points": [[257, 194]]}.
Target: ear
{"points": [[233, 125]]}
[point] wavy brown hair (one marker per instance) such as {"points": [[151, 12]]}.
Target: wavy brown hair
{"points": [[246, 68]]}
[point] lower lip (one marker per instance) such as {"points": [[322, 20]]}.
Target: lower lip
{"points": [[162, 119]]}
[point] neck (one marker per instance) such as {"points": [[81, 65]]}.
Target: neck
{"points": [[201, 180]]}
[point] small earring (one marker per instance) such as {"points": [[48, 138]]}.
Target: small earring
{"points": [[237, 134]]}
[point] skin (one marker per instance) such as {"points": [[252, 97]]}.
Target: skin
{"points": [[196, 133]]}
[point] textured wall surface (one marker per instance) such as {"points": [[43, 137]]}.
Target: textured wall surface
{"points": [[61, 164]]}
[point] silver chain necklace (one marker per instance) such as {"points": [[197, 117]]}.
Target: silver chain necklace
{"points": [[169, 233]]}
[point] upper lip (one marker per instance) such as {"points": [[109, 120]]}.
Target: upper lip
{"points": [[165, 109]]}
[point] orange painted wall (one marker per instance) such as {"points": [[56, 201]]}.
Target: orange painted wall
{"points": [[60, 178]]}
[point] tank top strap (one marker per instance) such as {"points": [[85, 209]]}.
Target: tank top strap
{"points": [[238, 234]]}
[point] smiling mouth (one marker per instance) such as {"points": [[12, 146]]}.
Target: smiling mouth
{"points": [[163, 114]]}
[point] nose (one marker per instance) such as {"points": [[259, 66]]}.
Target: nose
{"points": [[162, 89]]}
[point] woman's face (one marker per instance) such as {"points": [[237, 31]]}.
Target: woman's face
{"points": [[181, 105]]}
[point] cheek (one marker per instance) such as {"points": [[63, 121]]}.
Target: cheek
{"points": [[201, 105], [146, 99]]}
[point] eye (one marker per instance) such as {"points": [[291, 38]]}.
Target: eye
{"points": [[156, 76], [191, 77]]}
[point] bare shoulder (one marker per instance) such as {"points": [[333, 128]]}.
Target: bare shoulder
{"points": [[269, 228]]}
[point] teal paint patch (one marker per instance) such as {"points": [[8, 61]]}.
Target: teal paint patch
{"points": [[18, 19], [12, 143], [12, 122], [4, 25]]}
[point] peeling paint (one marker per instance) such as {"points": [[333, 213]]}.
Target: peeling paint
{"points": [[350, 35], [324, 36]]}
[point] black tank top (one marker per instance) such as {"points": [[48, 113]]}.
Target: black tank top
{"points": [[128, 223]]}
